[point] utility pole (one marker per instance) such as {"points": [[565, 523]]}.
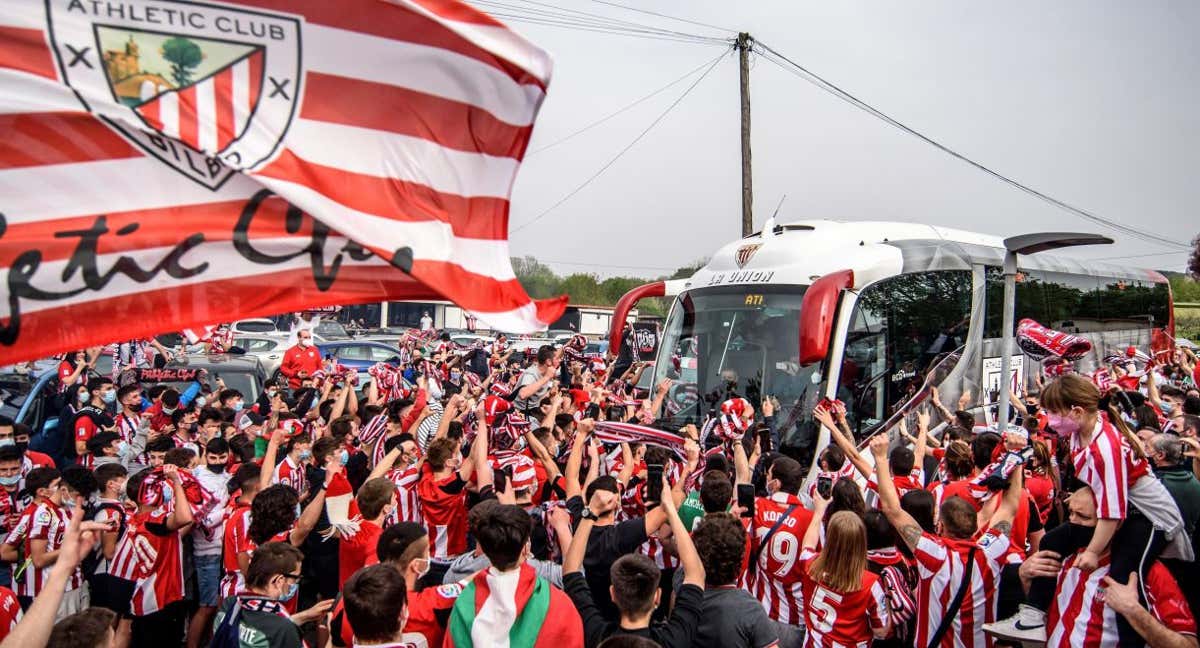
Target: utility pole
{"points": [[743, 46]]}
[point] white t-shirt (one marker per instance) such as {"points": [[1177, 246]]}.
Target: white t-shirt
{"points": [[426, 322], [209, 533]]}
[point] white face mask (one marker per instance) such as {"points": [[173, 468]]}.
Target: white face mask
{"points": [[307, 342]]}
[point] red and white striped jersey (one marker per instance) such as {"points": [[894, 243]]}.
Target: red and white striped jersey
{"points": [[373, 430], [41, 520], [653, 549], [116, 512], [841, 619], [941, 564], [776, 576], [1079, 617], [127, 426], [291, 474], [236, 538], [408, 502], [1109, 467], [12, 505], [914, 480]]}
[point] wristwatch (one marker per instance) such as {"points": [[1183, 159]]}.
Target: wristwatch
{"points": [[587, 514]]}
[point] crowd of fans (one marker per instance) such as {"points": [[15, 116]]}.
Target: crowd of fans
{"points": [[475, 497]]}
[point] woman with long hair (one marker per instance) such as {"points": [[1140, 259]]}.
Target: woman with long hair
{"points": [[1041, 480], [844, 603], [1136, 517]]}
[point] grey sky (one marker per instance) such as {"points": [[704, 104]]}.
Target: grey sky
{"points": [[1094, 103]]}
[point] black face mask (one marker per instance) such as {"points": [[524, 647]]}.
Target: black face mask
{"points": [[1081, 536], [22, 446], [217, 468]]}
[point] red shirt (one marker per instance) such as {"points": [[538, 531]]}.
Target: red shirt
{"points": [[834, 619], [10, 612], [358, 550], [161, 582], [1041, 488], [299, 358], [428, 612], [444, 507]]}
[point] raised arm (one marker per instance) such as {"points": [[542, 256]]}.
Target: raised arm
{"points": [[693, 569], [575, 460], [813, 533], [826, 418], [922, 440], [910, 532]]}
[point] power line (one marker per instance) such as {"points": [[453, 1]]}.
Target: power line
{"points": [[586, 22], [697, 40], [661, 15], [619, 111], [582, 16], [779, 59], [623, 151]]}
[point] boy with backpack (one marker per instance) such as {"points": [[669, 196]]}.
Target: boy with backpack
{"points": [[109, 590]]}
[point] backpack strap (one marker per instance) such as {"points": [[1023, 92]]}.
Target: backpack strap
{"points": [[771, 532]]}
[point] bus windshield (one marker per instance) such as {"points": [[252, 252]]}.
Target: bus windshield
{"points": [[730, 341]]}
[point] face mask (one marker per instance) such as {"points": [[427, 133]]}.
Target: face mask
{"points": [[290, 593], [7, 441], [69, 503], [271, 393], [217, 468], [135, 407], [455, 375], [305, 455], [122, 448], [22, 445], [168, 410], [306, 342], [10, 481], [1081, 536], [237, 406], [83, 397], [201, 401], [1166, 408], [345, 457], [109, 396], [1064, 426]]}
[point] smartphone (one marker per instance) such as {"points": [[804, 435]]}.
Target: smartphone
{"points": [[501, 478], [654, 476], [593, 411], [745, 499], [824, 485]]}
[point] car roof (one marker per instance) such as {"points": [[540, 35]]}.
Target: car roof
{"points": [[224, 361], [356, 342]]}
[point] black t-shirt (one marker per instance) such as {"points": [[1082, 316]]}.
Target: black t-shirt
{"points": [[679, 630], [605, 545]]}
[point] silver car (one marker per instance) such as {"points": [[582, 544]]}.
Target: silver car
{"points": [[268, 349]]}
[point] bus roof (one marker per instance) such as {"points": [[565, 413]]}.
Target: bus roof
{"points": [[801, 251]]}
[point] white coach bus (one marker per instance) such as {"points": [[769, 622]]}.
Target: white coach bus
{"points": [[875, 314]]}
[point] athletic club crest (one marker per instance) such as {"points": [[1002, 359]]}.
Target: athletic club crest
{"points": [[207, 89], [745, 253]]}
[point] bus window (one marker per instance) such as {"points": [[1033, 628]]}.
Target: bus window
{"points": [[901, 327]]}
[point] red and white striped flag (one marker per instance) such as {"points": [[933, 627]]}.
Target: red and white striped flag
{"points": [[168, 165]]}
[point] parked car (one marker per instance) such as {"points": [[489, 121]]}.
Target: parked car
{"points": [[268, 349], [360, 355], [255, 325], [332, 330], [467, 339]]}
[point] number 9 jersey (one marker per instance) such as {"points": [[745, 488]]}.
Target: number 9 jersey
{"points": [[775, 577]]}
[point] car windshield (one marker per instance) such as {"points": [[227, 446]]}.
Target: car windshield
{"points": [[14, 390], [723, 342], [255, 326], [328, 329]]}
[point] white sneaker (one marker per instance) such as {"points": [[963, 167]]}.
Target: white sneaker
{"points": [[1028, 624]]}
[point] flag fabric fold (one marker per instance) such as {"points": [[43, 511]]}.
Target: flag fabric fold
{"points": [[168, 166]]}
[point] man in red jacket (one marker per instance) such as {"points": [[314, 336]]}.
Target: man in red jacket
{"points": [[300, 361]]}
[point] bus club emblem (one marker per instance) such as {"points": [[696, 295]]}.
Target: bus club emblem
{"points": [[745, 253], [206, 89]]}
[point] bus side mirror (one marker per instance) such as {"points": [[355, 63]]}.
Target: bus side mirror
{"points": [[817, 312]]}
